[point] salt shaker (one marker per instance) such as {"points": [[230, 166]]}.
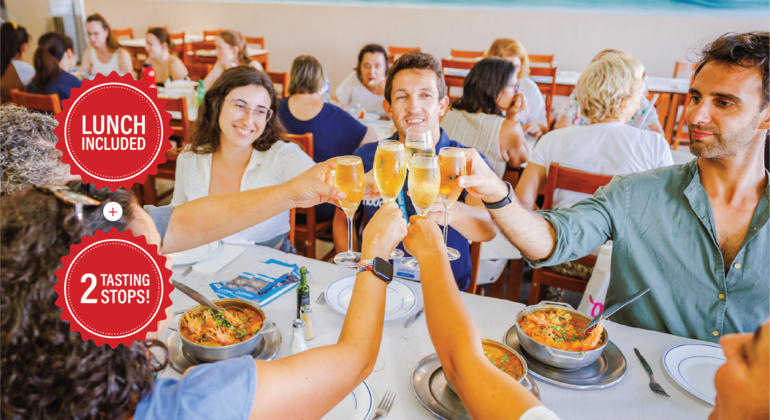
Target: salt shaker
{"points": [[307, 316], [298, 344]]}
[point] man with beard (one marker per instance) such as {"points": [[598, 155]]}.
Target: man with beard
{"points": [[696, 234]]}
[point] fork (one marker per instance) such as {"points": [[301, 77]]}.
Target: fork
{"points": [[654, 385], [385, 405], [321, 298]]}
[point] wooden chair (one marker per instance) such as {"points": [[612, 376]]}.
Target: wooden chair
{"points": [[49, 103], [120, 33], [468, 55], [180, 126], [540, 60], [455, 81], [395, 52], [253, 40], [166, 170], [197, 71], [571, 180], [137, 64], [280, 79], [209, 35], [475, 248], [180, 45], [679, 135], [682, 67], [197, 47], [547, 89]]}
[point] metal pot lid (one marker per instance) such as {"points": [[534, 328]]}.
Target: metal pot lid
{"points": [[606, 371], [430, 387]]}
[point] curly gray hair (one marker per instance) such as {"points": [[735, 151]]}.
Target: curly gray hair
{"points": [[28, 154]]}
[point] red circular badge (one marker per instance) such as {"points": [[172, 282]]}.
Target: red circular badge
{"points": [[113, 131], [114, 288]]}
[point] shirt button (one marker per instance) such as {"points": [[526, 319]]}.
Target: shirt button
{"points": [[715, 333], [737, 265], [721, 296]]}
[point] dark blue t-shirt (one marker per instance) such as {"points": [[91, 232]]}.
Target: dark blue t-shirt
{"points": [[61, 86], [461, 267], [335, 133]]}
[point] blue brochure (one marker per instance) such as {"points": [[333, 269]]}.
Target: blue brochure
{"points": [[262, 283]]}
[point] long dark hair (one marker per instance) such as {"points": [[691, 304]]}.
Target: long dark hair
{"points": [[13, 39], [483, 85], [51, 47], [205, 138], [112, 41], [49, 372]]}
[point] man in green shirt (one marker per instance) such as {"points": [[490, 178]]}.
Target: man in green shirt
{"points": [[696, 234]]}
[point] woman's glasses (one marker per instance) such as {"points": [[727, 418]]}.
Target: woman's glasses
{"points": [[239, 109]]}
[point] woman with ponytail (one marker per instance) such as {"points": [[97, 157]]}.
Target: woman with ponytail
{"points": [[54, 60], [103, 55], [231, 52], [166, 65], [15, 73]]}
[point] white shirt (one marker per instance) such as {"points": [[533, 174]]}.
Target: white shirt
{"points": [[281, 163], [352, 92], [606, 148], [97, 67], [535, 110], [539, 413], [25, 71]]}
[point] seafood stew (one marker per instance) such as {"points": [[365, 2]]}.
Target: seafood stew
{"points": [[504, 360], [560, 330], [220, 328]]}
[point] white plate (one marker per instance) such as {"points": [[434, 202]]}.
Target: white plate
{"points": [[693, 366], [196, 254], [399, 300], [358, 405]]}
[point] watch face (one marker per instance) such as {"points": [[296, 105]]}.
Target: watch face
{"points": [[383, 269]]}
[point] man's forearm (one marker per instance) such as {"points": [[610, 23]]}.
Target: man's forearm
{"points": [[474, 223], [214, 217], [526, 230]]}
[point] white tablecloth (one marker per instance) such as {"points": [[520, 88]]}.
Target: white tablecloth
{"points": [[141, 42], [212, 53], [402, 348]]}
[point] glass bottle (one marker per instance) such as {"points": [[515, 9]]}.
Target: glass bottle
{"points": [[303, 291], [298, 344], [307, 317]]}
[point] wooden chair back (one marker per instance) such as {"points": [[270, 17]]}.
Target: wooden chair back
{"points": [[166, 170], [280, 79], [455, 81], [49, 103], [681, 134], [305, 142], [468, 55], [547, 89], [180, 45], [136, 65], [209, 35], [252, 40], [540, 60], [457, 64], [181, 126], [683, 67], [203, 46], [198, 71], [122, 33], [395, 52]]}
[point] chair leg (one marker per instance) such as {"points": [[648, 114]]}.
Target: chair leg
{"points": [[149, 194], [534, 291], [515, 273], [497, 288]]}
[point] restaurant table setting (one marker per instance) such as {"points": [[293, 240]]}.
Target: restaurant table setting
{"points": [[407, 364]]}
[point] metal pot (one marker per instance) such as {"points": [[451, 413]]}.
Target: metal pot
{"points": [[561, 359], [215, 354], [523, 380]]}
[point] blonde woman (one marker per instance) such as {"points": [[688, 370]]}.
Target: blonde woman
{"points": [[533, 117], [103, 55], [231, 52]]}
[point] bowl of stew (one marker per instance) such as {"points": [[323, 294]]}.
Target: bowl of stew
{"points": [[235, 331], [506, 359]]}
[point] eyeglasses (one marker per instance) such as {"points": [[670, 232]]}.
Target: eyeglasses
{"points": [[239, 109], [70, 197], [515, 86]]}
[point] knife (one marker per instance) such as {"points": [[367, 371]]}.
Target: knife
{"points": [[411, 320], [644, 362], [616, 307]]}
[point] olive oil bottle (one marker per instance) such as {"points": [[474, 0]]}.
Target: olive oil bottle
{"points": [[303, 291]]}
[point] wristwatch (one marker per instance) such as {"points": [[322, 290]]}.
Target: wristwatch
{"points": [[379, 267], [502, 203]]}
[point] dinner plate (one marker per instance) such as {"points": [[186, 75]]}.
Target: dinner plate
{"points": [[430, 387], [358, 405], [399, 300], [606, 371], [196, 254], [693, 366]]}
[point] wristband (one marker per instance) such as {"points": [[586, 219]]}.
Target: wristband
{"points": [[502, 203]]}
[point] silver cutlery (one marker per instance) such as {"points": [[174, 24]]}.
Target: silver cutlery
{"points": [[616, 307], [654, 385], [187, 271], [321, 298], [411, 320], [385, 405]]}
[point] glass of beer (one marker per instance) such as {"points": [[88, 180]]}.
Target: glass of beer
{"points": [[451, 160], [349, 178], [389, 173], [424, 185], [419, 139]]}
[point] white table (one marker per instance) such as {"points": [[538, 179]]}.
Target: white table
{"points": [[142, 42], [402, 348], [383, 129]]}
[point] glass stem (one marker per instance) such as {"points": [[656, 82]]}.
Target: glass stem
{"points": [[446, 223], [350, 236]]}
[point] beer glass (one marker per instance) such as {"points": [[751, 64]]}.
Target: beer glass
{"points": [[451, 160], [349, 178], [424, 185], [389, 173]]}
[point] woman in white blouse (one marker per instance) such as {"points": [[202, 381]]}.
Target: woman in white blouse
{"points": [[365, 86], [236, 147], [103, 55], [533, 117]]}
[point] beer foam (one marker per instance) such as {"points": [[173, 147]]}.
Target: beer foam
{"points": [[391, 146], [424, 163]]}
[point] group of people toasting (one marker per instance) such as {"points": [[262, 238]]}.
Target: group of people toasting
{"points": [[696, 234]]}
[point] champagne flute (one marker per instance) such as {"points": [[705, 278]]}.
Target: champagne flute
{"points": [[349, 178], [424, 185], [451, 161], [389, 173], [419, 139]]}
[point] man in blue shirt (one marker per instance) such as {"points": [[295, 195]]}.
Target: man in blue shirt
{"points": [[416, 95]]}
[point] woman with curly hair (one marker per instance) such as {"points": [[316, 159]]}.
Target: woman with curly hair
{"points": [[236, 147], [49, 372]]}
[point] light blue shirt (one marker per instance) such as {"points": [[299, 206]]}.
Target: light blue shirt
{"points": [[664, 237]]}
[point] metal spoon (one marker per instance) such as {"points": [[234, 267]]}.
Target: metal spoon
{"points": [[198, 297], [614, 308]]}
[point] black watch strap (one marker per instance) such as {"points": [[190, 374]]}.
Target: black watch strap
{"points": [[379, 267], [502, 203]]}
